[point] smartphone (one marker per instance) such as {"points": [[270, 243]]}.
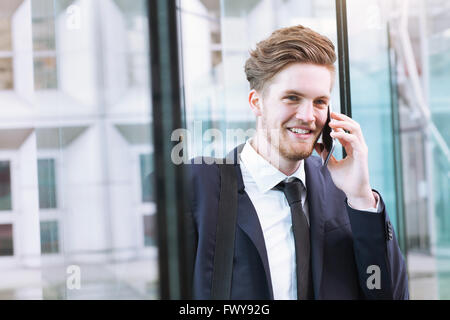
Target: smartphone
{"points": [[327, 141]]}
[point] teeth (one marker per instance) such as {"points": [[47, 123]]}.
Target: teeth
{"points": [[296, 130]]}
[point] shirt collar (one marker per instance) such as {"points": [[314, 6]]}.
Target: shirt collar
{"points": [[265, 175]]}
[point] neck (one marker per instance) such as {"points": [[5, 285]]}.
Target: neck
{"points": [[273, 156]]}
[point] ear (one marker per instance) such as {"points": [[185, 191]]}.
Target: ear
{"points": [[255, 102]]}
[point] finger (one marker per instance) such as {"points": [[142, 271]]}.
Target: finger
{"points": [[348, 126], [333, 161], [347, 140], [350, 142]]}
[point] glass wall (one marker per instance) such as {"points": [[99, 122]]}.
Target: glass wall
{"points": [[78, 212], [371, 95], [438, 61]]}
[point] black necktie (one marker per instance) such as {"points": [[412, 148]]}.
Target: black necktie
{"points": [[292, 191]]}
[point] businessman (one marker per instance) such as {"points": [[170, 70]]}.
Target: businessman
{"points": [[303, 230]]}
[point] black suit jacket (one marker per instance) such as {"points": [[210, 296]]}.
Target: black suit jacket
{"points": [[344, 242]]}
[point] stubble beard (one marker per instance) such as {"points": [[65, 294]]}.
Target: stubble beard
{"points": [[275, 139]]}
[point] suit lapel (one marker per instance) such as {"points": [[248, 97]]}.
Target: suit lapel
{"points": [[315, 185], [248, 221], [247, 218]]}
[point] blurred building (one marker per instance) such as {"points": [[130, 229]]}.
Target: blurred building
{"points": [[75, 143]]}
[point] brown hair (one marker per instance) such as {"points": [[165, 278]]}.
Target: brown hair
{"points": [[286, 46]]}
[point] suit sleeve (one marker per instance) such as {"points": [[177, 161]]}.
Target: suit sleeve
{"points": [[381, 267]]}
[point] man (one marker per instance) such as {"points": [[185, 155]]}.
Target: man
{"points": [[304, 230]]}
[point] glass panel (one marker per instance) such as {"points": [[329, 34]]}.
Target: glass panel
{"points": [[49, 237], [91, 130], [370, 94], [47, 183], [5, 186], [6, 74], [6, 240], [438, 19], [422, 53]]}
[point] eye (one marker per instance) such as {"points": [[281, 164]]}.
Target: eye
{"points": [[321, 102]]}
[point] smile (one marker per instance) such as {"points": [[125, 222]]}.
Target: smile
{"points": [[299, 131]]}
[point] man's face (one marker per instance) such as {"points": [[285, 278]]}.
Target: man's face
{"points": [[294, 109]]}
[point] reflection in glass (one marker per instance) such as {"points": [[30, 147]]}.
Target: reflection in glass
{"points": [[94, 128], [438, 46], [371, 96]]}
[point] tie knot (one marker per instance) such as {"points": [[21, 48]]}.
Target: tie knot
{"points": [[292, 190]]}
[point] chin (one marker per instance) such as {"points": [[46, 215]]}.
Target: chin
{"points": [[296, 155]]}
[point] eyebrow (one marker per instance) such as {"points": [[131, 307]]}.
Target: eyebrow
{"points": [[291, 91]]}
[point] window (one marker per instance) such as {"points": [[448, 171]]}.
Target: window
{"points": [[49, 237], [5, 186], [47, 183], [6, 240], [146, 168]]}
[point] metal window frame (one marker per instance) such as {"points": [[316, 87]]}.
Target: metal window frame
{"points": [[397, 149], [343, 57], [343, 60], [169, 179]]}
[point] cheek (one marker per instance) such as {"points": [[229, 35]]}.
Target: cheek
{"points": [[321, 118]]}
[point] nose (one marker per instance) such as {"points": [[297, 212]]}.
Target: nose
{"points": [[305, 112]]}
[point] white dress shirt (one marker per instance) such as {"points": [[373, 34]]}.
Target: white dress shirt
{"points": [[274, 215]]}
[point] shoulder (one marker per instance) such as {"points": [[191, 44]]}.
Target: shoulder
{"points": [[203, 176], [204, 188], [202, 169]]}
